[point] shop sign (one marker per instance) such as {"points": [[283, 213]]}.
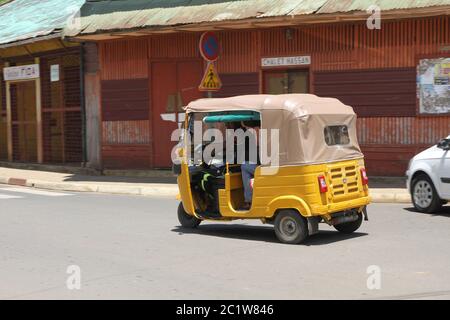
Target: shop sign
{"points": [[286, 61], [54, 72], [30, 71]]}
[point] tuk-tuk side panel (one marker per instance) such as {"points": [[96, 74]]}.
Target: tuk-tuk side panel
{"points": [[297, 187], [271, 193], [184, 187], [231, 198]]}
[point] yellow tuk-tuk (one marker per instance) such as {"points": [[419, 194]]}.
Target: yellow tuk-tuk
{"points": [[315, 174]]}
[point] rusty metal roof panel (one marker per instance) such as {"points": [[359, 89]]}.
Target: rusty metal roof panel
{"points": [[119, 14], [228, 10], [334, 6], [105, 15], [289, 7], [25, 19], [217, 12]]}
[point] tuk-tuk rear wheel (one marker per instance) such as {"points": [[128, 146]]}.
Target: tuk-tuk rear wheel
{"points": [[290, 227], [350, 227], [185, 219]]}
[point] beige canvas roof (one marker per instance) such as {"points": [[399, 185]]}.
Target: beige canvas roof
{"points": [[303, 103], [300, 119]]}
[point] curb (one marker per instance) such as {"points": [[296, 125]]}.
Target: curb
{"points": [[154, 190], [397, 197], [151, 190]]}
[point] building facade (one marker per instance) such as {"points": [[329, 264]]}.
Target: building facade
{"points": [[142, 80], [41, 118]]}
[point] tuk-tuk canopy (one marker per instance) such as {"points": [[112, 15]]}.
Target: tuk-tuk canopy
{"points": [[311, 129]]}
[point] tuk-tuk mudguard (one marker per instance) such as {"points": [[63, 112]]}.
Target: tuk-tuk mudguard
{"points": [[289, 202], [185, 190]]}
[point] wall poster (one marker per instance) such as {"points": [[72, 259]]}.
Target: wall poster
{"points": [[433, 85]]}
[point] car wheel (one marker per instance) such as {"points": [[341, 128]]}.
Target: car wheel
{"points": [[185, 219], [424, 195], [290, 227], [350, 227]]}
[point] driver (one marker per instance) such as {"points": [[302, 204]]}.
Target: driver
{"points": [[249, 166]]}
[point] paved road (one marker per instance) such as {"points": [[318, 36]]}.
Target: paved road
{"points": [[132, 247]]}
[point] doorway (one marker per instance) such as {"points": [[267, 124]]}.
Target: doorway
{"points": [[173, 86], [3, 122], [24, 121], [286, 81]]}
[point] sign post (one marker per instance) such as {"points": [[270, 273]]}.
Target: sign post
{"points": [[210, 49]]}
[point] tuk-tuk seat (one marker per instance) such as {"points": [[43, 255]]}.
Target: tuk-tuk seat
{"points": [[234, 181]]}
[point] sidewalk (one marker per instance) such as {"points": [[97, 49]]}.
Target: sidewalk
{"points": [[383, 190], [145, 186]]}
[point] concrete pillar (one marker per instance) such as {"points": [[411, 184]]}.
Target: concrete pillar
{"points": [[92, 90]]}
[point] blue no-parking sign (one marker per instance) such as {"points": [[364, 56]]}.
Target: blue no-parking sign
{"points": [[209, 46]]}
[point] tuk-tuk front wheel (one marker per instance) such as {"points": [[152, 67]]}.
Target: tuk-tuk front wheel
{"points": [[290, 227], [185, 219]]}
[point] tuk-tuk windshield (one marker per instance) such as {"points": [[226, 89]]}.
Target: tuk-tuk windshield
{"points": [[225, 133]]}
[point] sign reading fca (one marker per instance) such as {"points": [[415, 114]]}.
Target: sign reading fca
{"points": [[30, 71]]}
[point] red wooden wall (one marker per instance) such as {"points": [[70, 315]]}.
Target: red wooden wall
{"points": [[375, 63]]}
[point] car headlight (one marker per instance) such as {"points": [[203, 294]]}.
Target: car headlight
{"points": [[410, 163]]}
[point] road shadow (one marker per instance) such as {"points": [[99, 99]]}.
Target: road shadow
{"points": [[444, 212], [121, 179], [328, 237], [262, 233]]}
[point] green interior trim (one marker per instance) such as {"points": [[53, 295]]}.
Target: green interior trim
{"points": [[232, 117]]}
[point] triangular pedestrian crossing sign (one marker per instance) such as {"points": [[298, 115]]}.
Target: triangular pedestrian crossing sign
{"points": [[211, 80]]}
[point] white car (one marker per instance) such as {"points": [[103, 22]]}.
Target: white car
{"points": [[429, 177]]}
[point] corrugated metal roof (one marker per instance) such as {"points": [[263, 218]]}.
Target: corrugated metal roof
{"points": [[25, 19], [334, 6], [98, 16]]}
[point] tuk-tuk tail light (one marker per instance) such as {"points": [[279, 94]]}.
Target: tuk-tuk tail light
{"points": [[322, 184], [364, 177]]}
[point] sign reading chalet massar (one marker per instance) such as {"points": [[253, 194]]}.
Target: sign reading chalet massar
{"points": [[30, 71], [286, 61]]}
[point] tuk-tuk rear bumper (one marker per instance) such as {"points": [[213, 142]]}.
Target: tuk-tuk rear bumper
{"points": [[340, 206]]}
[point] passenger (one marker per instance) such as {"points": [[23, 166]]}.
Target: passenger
{"points": [[248, 167]]}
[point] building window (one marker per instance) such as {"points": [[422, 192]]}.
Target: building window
{"points": [[286, 81]]}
